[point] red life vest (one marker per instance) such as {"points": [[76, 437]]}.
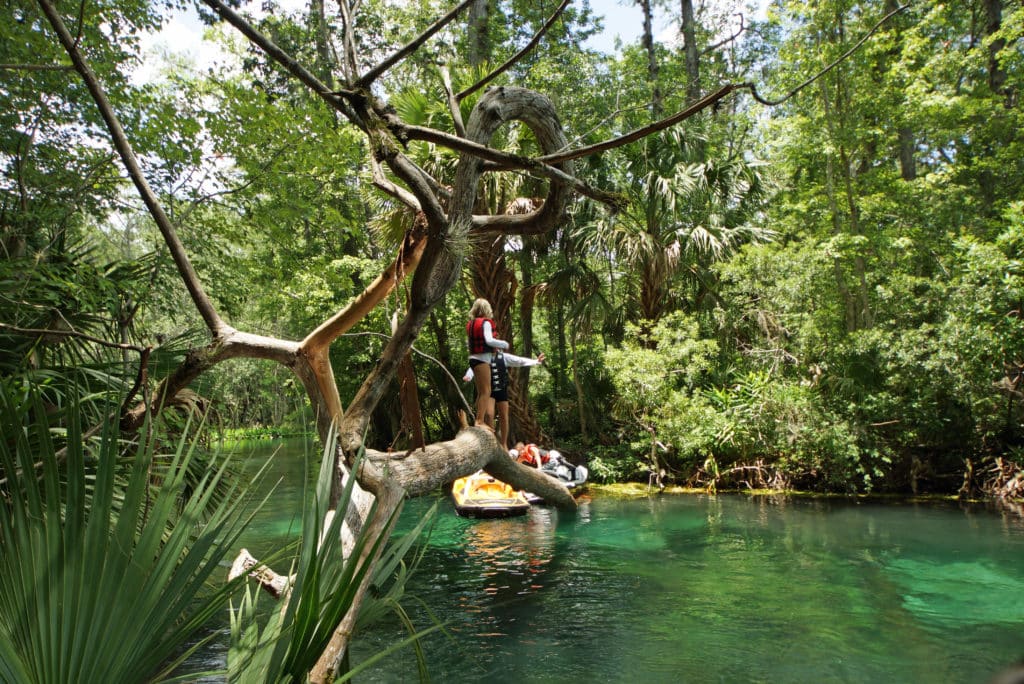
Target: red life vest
{"points": [[529, 455], [475, 332]]}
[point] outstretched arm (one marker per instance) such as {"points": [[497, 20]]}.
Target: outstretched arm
{"points": [[519, 361]]}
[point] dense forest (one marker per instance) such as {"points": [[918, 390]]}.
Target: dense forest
{"points": [[771, 250], [823, 293]]}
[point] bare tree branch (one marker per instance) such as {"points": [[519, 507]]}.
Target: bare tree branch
{"points": [[772, 103], [349, 40], [516, 57], [285, 60], [503, 160], [640, 133], [453, 102], [140, 380], [188, 275], [420, 183], [227, 344], [37, 67], [408, 256], [373, 74], [385, 185], [72, 333], [711, 48]]}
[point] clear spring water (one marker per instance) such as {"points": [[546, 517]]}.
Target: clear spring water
{"points": [[724, 588]]}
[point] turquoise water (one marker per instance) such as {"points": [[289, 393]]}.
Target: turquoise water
{"points": [[703, 588]]}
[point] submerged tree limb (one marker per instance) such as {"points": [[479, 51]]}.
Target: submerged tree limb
{"points": [[273, 583]]}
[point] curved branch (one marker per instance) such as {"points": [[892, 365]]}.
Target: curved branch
{"points": [[543, 166], [440, 264], [640, 133], [772, 103], [385, 185], [516, 57], [228, 344]]}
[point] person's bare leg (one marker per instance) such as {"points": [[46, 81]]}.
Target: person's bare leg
{"points": [[503, 424], [484, 404]]}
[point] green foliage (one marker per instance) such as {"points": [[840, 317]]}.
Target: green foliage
{"points": [[649, 367], [653, 373], [607, 465], [106, 578], [879, 331]]}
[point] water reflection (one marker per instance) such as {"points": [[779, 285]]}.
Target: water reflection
{"points": [[728, 588], [512, 555], [703, 588]]}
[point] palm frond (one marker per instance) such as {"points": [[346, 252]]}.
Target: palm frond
{"points": [[106, 584]]}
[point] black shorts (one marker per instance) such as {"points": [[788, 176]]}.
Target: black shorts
{"points": [[473, 363], [500, 395]]}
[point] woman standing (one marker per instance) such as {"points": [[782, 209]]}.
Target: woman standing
{"points": [[482, 345], [499, 386]]}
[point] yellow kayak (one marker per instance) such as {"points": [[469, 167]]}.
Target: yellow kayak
{"points": [[481, 496]]}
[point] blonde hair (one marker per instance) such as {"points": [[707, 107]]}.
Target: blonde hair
{"points": [[481, 309]]}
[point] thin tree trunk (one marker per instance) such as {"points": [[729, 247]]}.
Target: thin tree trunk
{"points": [[907, 146], [993, 22], [581, 397], [318, 17], [906, 141], [652, 58], [865, 318], [478, 29], [689, 26]]}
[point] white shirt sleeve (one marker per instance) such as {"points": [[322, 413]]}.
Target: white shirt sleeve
{"points": [[492, 341], [511, 360], [519, 361]]}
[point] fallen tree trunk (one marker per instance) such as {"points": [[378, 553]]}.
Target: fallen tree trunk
{"points": [[422, 471]]}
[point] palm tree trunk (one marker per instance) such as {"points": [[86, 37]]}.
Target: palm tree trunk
{"points": [[652, 59], [581, 397]]}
